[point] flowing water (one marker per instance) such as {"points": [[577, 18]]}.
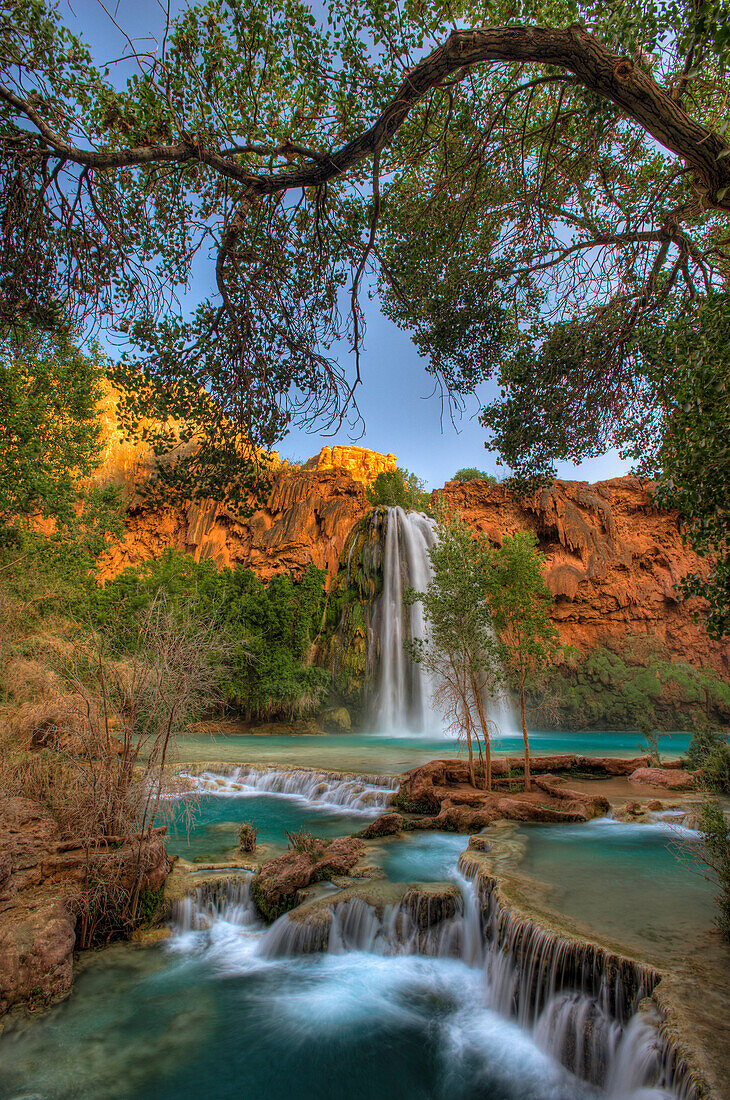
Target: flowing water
{"points": [[381, 1006], [404, 690], [438, 996], [404, 697]]}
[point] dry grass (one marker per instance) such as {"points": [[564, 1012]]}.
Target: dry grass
{"points": [[93, 740]]}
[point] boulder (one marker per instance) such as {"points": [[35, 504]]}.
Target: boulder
{"points": [[385, 825], [672, 779], [276, 887]]}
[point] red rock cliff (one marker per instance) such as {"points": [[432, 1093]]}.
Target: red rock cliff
{"points": [[612, 559]]}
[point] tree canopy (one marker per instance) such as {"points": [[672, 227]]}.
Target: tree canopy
{"points": [[533, 187], [502, 168]]}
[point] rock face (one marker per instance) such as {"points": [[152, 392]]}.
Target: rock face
{"points": [[36, 926], [41, 878], [361, 464], [612, 561], [276, 887], [306, 519]]}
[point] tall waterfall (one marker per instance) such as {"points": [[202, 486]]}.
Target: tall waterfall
{"points": [[404, 694], [404, 698]]}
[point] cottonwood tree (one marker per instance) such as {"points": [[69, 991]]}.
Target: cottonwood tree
{"points": [[459, 654], [537, 178], [518, 600]]}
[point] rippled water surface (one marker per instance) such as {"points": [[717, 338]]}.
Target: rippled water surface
{"points": [[639, 883]]}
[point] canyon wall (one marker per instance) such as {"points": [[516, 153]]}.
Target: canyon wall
{"points": [[612, 559]]}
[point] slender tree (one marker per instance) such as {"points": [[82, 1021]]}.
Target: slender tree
{"points": [[460, 654], [518, 599]]}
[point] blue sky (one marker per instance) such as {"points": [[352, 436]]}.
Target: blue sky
{"points": [[395, 400]]}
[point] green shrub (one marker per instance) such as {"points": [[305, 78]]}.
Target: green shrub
{"points": [[715, 855], [272, 626], [470, 473], [635, 685], [709, 753], [400, 489]]}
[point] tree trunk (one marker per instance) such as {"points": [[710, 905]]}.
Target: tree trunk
{"points": [[485, 736], [471, 755], [528, 779]]}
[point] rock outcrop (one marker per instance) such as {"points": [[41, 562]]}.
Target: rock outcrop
{"points": [[306, 519], [276, 887], [360, 463], [41, 882], [613, 561], [441, 791]]}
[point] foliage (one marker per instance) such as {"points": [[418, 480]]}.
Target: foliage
{"points": [[630, 687], [709, 753], [506, 184], [689, 448], [95, 748], [305, 844], [470, 473], [399, 489], [460, 653], [715, 855], [49, 435], [271, 626], [247, 836], [52, 524], [518, 599]]}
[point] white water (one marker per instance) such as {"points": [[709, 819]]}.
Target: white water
{"points": [[519, 981], [370, 794], [405, 690]]}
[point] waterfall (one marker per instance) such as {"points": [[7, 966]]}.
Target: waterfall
{"points": [[227, 899], [441, 926], [404, 693], [580, 1003], [366, 794]]}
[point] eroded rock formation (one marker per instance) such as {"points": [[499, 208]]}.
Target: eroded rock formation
{"points": [[41, 882], [441, 791], [613, 561]]}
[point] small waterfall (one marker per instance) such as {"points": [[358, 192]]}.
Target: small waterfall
{"points": [[404, 694], [583, 1005], [227, 899], [580, 1002], [444, 925], [366, 794]]}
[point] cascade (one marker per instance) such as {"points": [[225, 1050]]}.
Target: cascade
{"points": [[228, 900], [367, 794], [404, 693], [579, 1002]]}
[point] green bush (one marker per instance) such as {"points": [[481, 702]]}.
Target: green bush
{"points": [[400, 489], [709, 753], [272, 625], [635, 686], [715, 855], [470, 473]]}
